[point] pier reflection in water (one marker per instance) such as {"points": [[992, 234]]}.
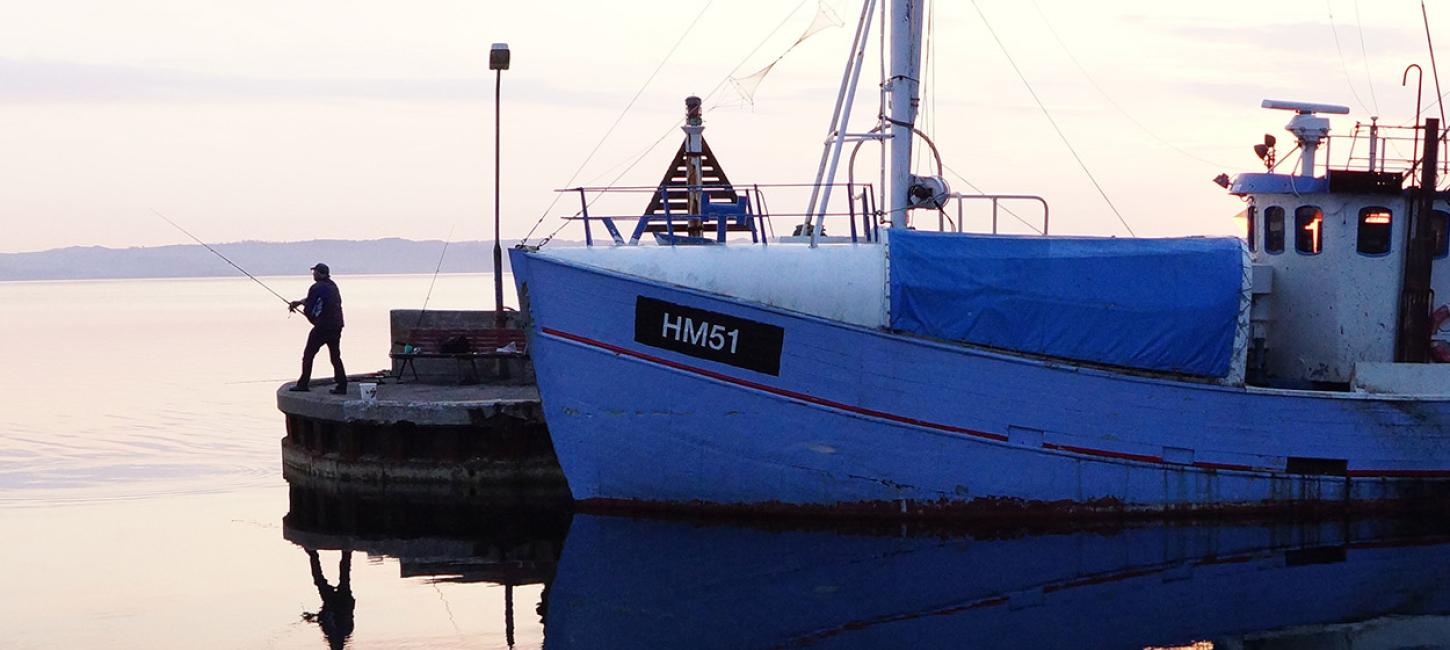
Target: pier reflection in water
{"points": [[672, 583], [502, 539]]}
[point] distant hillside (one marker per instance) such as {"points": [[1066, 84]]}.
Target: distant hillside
{"points": [[260, 258]]}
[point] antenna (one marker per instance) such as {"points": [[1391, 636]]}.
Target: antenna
{"points": [[1307, 126]]}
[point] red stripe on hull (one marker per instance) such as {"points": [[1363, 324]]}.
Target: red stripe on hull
{"points": [[819, 401], [772, 389]]}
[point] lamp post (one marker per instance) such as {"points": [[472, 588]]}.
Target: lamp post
{"points": [[498, 61]]}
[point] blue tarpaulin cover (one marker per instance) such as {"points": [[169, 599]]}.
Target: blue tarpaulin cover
{"points": [[1168, 305]]}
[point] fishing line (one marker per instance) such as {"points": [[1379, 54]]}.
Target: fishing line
{"points": [[218, 254]]}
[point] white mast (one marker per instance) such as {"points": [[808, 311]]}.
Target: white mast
{"points": [[904, 28], [840, 118]]}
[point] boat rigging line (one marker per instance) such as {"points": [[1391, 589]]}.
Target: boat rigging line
{"points": [[729, 76], [1329, 4], [218, 254], [1102, 91], [1364, 56], [928, 81], [745, 87], [649, 149], [1006, 209], [1053, 122], [637, 158], [1434, 72], [622, 114]]}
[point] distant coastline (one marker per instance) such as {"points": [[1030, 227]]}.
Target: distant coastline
{"points": [[346, 257]]}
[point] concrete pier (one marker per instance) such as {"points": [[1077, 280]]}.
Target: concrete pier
{"points": [[432, 435]]}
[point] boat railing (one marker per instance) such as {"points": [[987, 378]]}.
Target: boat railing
{"points": [[946, 224], [1388, 148], [707, 213]]}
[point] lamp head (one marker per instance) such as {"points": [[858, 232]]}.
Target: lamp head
{"points": [[498, 57]]}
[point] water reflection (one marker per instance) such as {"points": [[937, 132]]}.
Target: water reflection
{"points": [[665, 583], [335, 617], [652, 583], [506, 539]]}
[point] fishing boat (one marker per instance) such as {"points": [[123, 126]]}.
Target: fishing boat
{"points": [[900, 371]]}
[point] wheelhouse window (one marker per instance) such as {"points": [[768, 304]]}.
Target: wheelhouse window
{"points": [[1274, 229], [1252, 216], [1374, 231], [1440, 226], [1308, 229]]}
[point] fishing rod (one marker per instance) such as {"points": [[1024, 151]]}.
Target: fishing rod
{"points": [[218, 254], [435, 277]]}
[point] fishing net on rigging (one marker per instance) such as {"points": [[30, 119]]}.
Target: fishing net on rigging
{"points": [[745, 86], [826, 18]]}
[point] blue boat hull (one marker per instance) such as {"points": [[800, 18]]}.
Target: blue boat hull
{"points": [[862, 420]]}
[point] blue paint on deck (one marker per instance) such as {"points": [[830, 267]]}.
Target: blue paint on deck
{"points": [[1261, 183]]}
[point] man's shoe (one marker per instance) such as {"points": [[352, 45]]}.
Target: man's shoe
{"points": [[338, 390], [299, 388]]}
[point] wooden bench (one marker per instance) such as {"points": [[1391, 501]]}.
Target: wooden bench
{"points": [[464, 345]]}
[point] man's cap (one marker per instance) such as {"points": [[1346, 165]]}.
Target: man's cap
{"points": [[321, 268]]}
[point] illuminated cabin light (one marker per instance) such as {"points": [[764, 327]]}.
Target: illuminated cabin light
{"points": [[1374, 230], [1313, 229], [1308, 229]]}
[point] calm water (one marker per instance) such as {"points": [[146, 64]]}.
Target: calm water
{"points": [[143, 507], [140, 478]]}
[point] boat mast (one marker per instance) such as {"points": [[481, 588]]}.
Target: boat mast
{"points": [[694, 129], [902, 86]]}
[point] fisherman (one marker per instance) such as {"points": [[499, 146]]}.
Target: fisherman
{"points": [[323, 308]]}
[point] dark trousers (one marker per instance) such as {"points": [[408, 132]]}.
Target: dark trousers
{"points": [[320, 336]]}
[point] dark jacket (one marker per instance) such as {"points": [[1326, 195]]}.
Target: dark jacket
{"points": [[323, 305]]}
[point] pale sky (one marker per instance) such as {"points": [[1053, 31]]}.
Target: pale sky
{"points": [[358, 119]]}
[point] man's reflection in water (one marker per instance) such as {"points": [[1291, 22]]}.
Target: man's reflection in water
{"points": [[335, 617]]}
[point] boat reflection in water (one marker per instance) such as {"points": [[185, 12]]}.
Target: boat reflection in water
{"points": [[662, 583], [672, 584], [506, 539]]}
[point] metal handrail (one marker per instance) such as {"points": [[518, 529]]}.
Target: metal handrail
{"points": [[996, 200], [756, 206], [867, 229]]}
